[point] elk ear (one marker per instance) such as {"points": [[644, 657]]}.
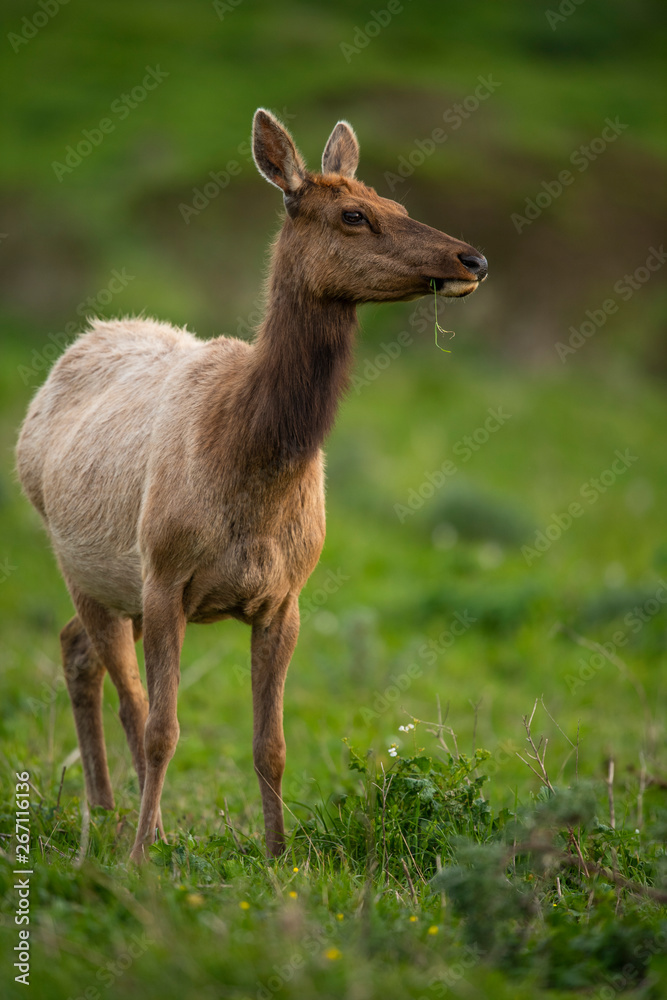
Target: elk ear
{"points": [[341, 153], [276, 156]]}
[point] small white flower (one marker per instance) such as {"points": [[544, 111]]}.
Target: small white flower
{"points": [[393, 752], [406, 729]]}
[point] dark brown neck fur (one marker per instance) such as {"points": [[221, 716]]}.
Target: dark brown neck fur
{"points": [[299, 370]]}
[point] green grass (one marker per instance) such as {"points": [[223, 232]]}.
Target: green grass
{"points": [[377, 653]]}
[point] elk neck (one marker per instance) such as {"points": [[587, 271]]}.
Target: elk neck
{"points": [[299, 369]]}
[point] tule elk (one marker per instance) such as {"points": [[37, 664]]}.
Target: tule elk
{"points": [[181, 480]]}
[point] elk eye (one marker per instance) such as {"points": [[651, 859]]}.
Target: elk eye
{"points": [[354, 218]]}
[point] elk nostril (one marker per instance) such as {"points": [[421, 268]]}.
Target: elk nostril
{"points": [[475, 264]]}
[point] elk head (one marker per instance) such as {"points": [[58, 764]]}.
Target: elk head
{"points": [[343, 241]]}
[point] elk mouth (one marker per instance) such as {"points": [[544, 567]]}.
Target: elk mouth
{"points": [[452, 287]]}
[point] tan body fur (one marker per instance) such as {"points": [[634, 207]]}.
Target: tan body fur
{"points": [[116, 514], [182, 480]]}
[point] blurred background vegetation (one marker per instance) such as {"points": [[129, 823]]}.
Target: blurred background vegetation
{"points": [[560, 76], [381, 604], [69, 228]]}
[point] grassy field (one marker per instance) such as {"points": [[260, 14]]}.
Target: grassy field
{"points": [[377, 653], [476, 785]]}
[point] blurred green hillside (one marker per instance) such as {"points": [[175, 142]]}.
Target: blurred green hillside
{"points": [[555, 81]]}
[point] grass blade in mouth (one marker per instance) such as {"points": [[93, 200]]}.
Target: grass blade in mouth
{"points": [[438, 329]]}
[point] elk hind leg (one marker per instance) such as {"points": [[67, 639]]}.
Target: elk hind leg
{"points": [[117, 647], [84, 676], [164, 629]]}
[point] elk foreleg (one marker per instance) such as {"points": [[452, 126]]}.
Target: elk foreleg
{"points": [[272, 648]]}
